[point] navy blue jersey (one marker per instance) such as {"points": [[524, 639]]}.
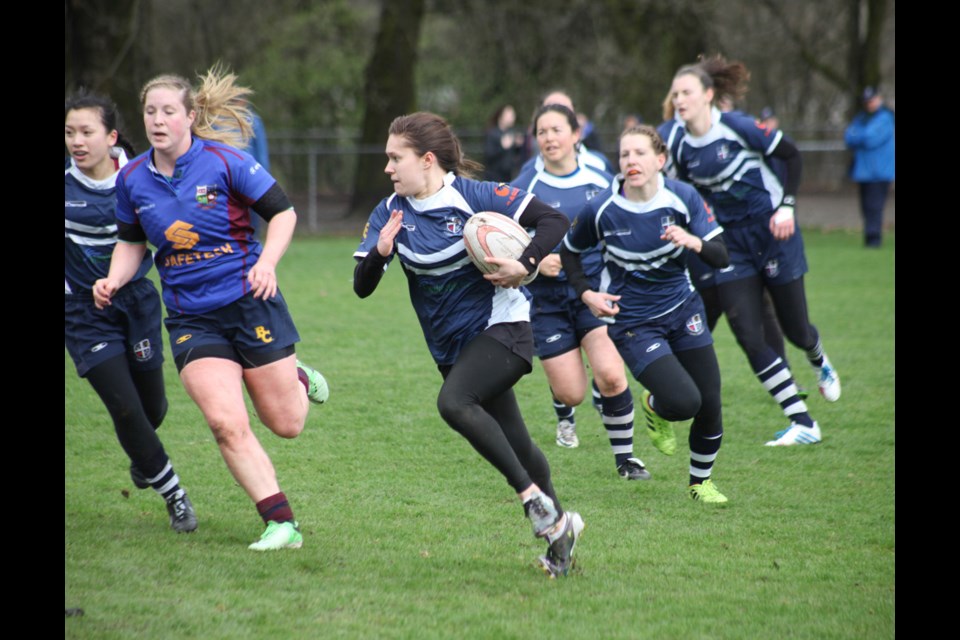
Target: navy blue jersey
{"points": [[569, 194], [727, 166], [199, 221], [90, 229], [449, 294], [649, 273], [671, 132]]}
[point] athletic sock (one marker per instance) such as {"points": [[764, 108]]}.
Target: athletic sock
{"points": [[563, 411], [617, 416], [703, 453], [596, 398], [275, 508], [815, 355], [778, 381]]}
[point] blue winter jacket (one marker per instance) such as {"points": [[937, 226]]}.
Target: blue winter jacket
{"points": [[871, 138]]}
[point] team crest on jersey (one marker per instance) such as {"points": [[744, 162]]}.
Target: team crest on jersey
{"points": [[667, 221], [454, 226], [207, 195], [143, 350], [695, 325], [590, 194], [772, 269], [723, 152]]}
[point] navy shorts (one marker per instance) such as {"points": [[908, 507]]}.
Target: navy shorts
{"points": [[754, 251], [560, 319], [245, 331], [130, 325], [682, 329]]}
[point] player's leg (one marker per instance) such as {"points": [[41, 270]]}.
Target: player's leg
{"points": [[568, 383], [790, 301], [743, 304], [617, 411], [706, 431], [113, 382]]}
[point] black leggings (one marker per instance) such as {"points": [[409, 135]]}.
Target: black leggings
{"points": [[478, 402], [687, 385], [742, 301], [137, 404], [771, 327]]}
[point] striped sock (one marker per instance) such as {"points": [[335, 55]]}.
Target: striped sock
{"points": [[275, 508], [563, 411], [166, 482], [815, 355], [596, 399], [778, 381], [703, 453], [617, 415]]}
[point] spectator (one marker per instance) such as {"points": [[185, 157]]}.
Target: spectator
{"points": [[871, 138]]}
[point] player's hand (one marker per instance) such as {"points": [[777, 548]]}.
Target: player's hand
{"points": [[782, 224], [509, 275], [550, 265], [389, 233], [602, 305], [263, 279], [680, 238], [103, 290]]}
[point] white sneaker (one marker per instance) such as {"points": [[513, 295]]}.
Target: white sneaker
{"points": [[828, 380], [796, 434], [567, 435]]}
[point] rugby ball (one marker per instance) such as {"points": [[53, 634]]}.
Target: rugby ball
{"points": [[488, 233]]}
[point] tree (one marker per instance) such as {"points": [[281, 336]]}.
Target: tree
{"points": [[389, 91]]}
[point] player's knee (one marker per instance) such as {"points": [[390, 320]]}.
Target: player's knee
{"points": [[454, 408], [611, 383], [570, 396], [678, 407]]}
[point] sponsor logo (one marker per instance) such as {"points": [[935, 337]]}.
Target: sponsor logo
{"points": [[653, 347], [554, 338], [190, 257], [180, 235], [366, 230], [207, 196], [772, 268], [727, 269], [97, 347], [74, 203], [142, 350], [617, 232], [454, 226], [184, 338], [504, 191], [263, 334], [145, 207], [710, 216], [408, 227], [695, 325], [255, 168]]}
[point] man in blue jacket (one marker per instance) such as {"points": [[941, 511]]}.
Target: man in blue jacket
{"points": [[871, 138]]}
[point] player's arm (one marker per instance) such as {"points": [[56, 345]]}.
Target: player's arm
{"points": [[371, 267], [124, 263], [782, 224], [275, 207], [550, 224]]}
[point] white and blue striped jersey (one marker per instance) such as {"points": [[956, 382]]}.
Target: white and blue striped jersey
{"points": [[648, 273], [90, 228], [671, 132], [449, 294], [727, 166], [569, 194]]}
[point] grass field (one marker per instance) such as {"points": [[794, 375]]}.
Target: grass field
{"points": [[408, 533]]}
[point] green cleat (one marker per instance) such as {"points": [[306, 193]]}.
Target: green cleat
{"points": [[279, 535], [660, 430], [319, 392], [707, 492]]}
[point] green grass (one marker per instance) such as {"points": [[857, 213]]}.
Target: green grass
{"points": [[408, 533]]}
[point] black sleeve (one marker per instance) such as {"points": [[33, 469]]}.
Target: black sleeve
{"points": [[788, 152], [573, 268], [132, 233], [368, 272], [551, 225], [714, 253], [272, 202]]}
